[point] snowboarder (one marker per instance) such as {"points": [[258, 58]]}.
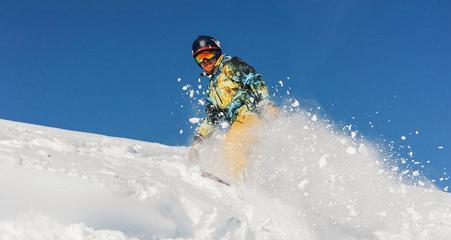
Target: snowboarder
{"points": [[237, 98]]}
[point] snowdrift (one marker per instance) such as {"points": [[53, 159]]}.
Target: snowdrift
{"points": [[304, 181]]}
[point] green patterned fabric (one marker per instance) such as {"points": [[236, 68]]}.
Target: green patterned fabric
{"points": [[234, 88]]}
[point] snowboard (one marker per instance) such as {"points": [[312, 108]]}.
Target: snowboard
{"points": [[215, 178]]}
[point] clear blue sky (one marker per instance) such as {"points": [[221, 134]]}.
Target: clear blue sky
{"points": [[111, 67]]}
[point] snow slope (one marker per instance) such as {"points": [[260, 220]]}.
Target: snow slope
{"points": [[304, 181]]}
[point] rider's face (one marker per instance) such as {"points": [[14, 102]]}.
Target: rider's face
{"points": [[207, 60], [208, 65]]}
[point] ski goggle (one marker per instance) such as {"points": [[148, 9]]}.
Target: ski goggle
{"points": [[206, 55]]}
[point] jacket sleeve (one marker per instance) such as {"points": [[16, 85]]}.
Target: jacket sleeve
{"points": [[208, 124], [258, 87], [251, 79]]}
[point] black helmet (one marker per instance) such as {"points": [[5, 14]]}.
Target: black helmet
{"points": [[204, 42]]}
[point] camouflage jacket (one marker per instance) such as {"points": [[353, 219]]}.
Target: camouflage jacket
{"points": [[234, 88]]}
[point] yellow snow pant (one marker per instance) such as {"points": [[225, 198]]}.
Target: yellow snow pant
{"points": [[239, 140]]}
